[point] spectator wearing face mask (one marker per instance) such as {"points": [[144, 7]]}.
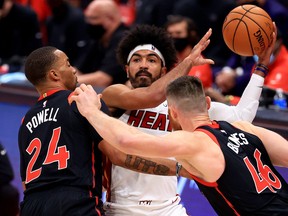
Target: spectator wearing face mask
{"points": [[185, 35], [209, 14], [99, 66]]}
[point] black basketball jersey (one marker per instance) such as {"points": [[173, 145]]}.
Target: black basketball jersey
{"points": [[58, 146], [249, 185]]}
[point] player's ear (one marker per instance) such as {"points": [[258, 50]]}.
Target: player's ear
{"points": [[208, 102], [53, 74], [163, 71], [172, 113]]}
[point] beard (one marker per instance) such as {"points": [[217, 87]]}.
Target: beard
{"points": [[143, 78]]}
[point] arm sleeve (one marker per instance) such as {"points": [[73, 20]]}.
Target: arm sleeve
{"points": [[247, 106]]}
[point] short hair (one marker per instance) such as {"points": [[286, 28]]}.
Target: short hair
{"points": [[38, 63], [147, 34], [187, 93]]}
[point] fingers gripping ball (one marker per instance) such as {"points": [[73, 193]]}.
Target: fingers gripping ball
{"points": [[247, 30]]}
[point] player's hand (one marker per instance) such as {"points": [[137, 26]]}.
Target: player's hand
{"points": [[196, 54], [87, 99], [264, 57]]}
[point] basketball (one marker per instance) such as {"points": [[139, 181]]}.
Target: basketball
{"points": [[247, 30]]}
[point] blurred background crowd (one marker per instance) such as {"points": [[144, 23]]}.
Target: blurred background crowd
{"points": [[89, 31]]}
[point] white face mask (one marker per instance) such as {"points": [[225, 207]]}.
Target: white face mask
{"points": [[272, 58]]}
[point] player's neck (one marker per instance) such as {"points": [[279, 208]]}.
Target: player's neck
{"points": [[193, 122], [46, 89]]}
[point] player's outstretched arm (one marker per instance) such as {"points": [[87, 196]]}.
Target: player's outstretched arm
{"points": [[131, 140], [246, 108], [154, 166], [121, 96], [121, 135]]}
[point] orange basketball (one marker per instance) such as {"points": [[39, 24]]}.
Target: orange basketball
{"points": [[247, 30]]}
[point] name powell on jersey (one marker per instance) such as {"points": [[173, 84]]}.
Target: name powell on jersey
{"points": [[45, 115]]}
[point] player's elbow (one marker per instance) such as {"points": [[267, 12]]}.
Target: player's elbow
{"points": [[249, 113], [241, 113], [125, 143]]}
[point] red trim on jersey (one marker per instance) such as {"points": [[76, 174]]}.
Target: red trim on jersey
{"points": [[208, 184], [96, 204], [107, 177], [46, 94], [93, 167], [214, 125], [69, 98], [213, 184], [227, 201], [99, 213], [93, 181]]}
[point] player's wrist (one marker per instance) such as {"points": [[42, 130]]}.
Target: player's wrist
{"points": [[262, 68], [190, 60]]}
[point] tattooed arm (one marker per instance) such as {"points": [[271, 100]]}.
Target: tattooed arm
{"points": [[164, 167]]}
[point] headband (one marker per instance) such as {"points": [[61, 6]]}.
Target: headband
{"points": [[146, 47]]}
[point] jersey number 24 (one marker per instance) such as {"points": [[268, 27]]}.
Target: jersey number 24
{"points": [[54, 154]]}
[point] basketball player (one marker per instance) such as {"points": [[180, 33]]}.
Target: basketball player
{"points": [[148, 54], [60, 163], [231, 163]]}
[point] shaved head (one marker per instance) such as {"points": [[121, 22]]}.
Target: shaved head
{"points": [[103, 8]]}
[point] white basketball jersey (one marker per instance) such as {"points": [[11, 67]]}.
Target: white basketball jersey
{"points": [[134, 193], [138, 194]]}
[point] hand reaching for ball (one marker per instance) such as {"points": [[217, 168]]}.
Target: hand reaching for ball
{"points": [[248, 30]]}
